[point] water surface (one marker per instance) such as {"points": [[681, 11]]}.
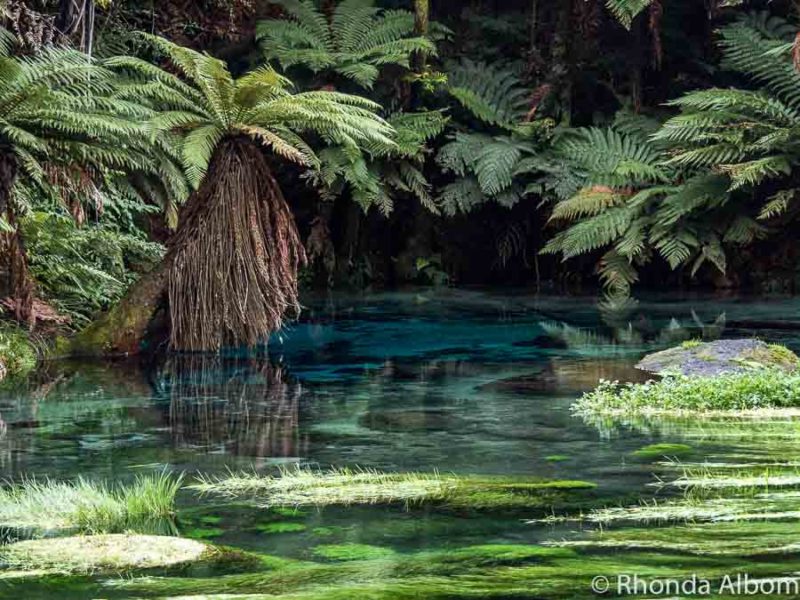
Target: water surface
{"points": [[463, 382]]}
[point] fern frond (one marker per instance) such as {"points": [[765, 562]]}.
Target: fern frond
{"points": [[494, 94], [462, 195], [627, 10], [356, 42], [776, 205]]}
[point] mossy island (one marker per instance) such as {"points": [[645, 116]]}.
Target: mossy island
{"points": [[107, 553], [706, 359], [724, 377]]}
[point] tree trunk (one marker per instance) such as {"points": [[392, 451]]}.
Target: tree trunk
{"points": [[20, 284], [422, 11], [123, 330], [68, 16], [560, 77], [230, 272]]}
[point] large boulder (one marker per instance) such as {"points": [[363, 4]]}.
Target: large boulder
{"points": [[707, 359]]}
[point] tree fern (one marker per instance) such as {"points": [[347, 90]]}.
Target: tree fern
{"points": [[380, 173], [750, 136], [492, 93], [58, 118], [630, 201], [231, 270], [626, 10], [492, 163], [354, 43], [210, 105]]}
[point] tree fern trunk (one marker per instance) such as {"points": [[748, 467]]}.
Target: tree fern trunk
{"points": [[19, 281], [230, 272]]}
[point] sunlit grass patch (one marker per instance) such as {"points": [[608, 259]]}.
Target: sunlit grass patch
{"points": [[755, 391], [307, 487], [85, 506], [344, 487], [757, 478]]}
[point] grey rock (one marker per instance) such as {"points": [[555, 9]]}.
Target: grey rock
{"points": [[708, 359]]}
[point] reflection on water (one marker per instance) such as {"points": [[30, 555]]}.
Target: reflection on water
{"points": [[462, 382], [244, 406]]}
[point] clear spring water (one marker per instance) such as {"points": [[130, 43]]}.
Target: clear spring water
{"points": [[454, 381]]}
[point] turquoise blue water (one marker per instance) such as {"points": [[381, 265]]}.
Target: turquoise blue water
{"points": [[467, 382]]}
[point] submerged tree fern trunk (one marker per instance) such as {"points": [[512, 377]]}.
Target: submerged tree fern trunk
{"points": [[235, 257], [230, 272]]}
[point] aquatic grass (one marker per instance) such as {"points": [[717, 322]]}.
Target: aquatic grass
{"points": [[763, 477], [711, 493], [281, 527], [348, 552], [490, 571], [344, 487], [308, 487], [760, 507], [756, 391], [740, 539], [86, 506], [375, 565], [662, 450], [555, 458], [747, 436], [203, 533]]}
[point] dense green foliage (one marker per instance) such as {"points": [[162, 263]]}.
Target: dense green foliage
{"points": [[486, 160], [355, 42]]}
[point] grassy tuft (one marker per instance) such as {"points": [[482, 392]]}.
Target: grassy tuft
{"points": [[84, 506], [306, 487], [752, 391]]}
